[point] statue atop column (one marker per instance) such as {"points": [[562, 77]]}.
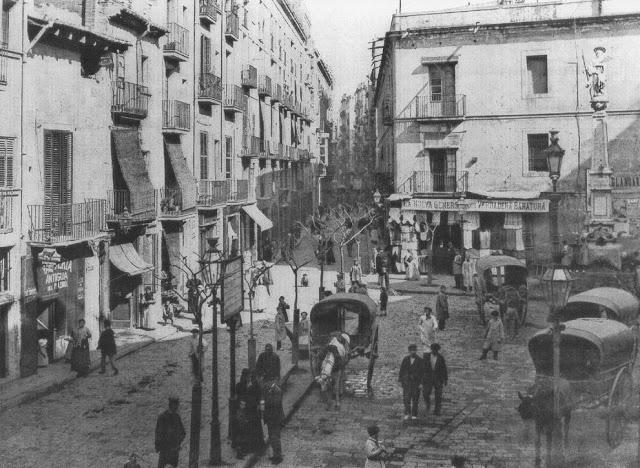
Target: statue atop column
{"points": [[597, 79]]}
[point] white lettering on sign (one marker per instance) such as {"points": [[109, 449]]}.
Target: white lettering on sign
{"points": [[499, 206]]}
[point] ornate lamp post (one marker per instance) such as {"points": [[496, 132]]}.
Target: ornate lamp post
{"points": [[211, 267], [377, 197], [556, 283], [554, 155]]}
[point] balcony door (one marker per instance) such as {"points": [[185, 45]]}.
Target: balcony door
{"points": [[442, 90], [443, 170], [58, 179]]}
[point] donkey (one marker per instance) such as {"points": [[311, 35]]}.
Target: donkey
{"points": [[537, 404], [336, 357]]}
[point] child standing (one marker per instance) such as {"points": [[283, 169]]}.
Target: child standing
{"points": [[107, 347], [384, 299], [493, 337]]}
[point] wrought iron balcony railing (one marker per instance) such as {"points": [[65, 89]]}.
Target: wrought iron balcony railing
{"points": [[122, 206], [234, 98], [232, 31], [451, 107], [176, 116], [435, 182], [52, 223], [265, 86], [209, 10], [177, 45], [129, 100], [210, 87], [249, 76]]}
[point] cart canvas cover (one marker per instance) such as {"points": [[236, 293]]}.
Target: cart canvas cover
{"points": [[624, 305]]}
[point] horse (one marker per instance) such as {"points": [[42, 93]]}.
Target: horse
{"points": [[537, 404], [335, 359]]}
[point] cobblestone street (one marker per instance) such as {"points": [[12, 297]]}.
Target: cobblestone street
{"points": [[478, 420]]}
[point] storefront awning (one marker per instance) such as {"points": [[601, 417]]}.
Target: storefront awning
{"points": [[258, 216], [126, 146], [125, 258], [183, 175], [508, 194]]}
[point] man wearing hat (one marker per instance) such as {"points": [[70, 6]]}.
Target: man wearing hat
{"points": [[435, 378], [411, 372], [195, 354], [169, 435]]}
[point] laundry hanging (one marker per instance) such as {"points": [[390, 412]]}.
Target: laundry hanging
{"points": [[513, 221]]}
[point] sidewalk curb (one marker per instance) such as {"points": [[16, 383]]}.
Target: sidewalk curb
{"points": [[254, 458], [33, 395]]}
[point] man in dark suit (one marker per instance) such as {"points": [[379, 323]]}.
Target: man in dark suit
{"points": [[273, 416], [435, 377], [411, 374], [268, 365]]}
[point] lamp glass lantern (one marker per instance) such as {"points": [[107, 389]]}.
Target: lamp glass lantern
{"points": [[556, 283], [554, 154], [210, 263], [377, 197]]}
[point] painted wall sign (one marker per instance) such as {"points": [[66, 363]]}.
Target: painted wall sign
{"points": [[493, 206]]}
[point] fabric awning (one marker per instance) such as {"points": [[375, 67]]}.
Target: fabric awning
{"points": [[508, 194], [258, 216], [183, 175], [126, 146], [125, 258]]}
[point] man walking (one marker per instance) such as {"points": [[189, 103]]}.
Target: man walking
{"points": [[107, 347], [169, 435], [435, 378], [411, 374], [268, 365], [442, 307], [428, 326], [273, 415], [196, 354]]}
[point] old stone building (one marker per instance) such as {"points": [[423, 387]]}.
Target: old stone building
{"points": [[464, 101]]}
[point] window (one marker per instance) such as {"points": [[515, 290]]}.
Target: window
{"points": [[228, 160], [204, 155], [435, 84], [58, 157], [537, 143], [537, 74], [5, 27], [144, 70], [6, 161], [205, 54]]}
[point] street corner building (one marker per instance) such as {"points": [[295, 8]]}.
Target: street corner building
{"points": [[465, 100], [134, 136]]}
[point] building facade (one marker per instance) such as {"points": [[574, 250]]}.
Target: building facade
{"points": [[464, 102], [152, 147]]}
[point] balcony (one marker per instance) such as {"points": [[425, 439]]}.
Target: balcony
{"points": [[127, 209], [9, 202], [129, 100], [213, 192], [4, 66], [239, 190], [234, 99], [304, 155], [176, 116], [209, 88], [264, 86], [253, 146], [427, 182], [169, 203], [209, 10], [249, 77], [277, 93], [444, 108], [177, 46], [68, 222], [232, 31]]}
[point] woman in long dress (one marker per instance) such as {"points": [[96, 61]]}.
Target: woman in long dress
{"points": [[412, 271], [247, 434], [80, 358], [467, 272], [261, 292]]}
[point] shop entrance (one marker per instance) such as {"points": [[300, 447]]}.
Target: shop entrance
{"points": [[54, 325], [124, 304]]}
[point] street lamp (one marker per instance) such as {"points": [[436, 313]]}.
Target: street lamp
{"points": [[556, 284], [554, 154], [211, 265], [377, 197]]}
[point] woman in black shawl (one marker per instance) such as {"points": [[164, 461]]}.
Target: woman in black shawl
{"points": [[248, 435]]}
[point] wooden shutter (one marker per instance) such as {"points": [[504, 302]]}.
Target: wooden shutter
{"points": [[6, 161], [205, 54], [58, 177]]}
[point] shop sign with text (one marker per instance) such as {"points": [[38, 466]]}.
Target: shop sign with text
{"points": [[491, 206]]}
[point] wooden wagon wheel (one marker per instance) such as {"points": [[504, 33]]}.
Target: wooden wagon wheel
{"points": [[619, 397], [373, 355]]}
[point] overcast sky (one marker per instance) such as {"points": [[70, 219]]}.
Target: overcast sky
{"points": [[342, 30]]}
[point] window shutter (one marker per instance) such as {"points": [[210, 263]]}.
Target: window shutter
{"points": [[205, 52], [6, 161]]}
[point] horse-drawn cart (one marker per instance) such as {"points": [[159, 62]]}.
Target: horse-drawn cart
{"points": [[349, 320], [596, 359], [505, 279]]}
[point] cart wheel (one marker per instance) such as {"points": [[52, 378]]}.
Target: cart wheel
{"points": [[522, 312], [313, 361], [373, 355], [618, 402]]}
